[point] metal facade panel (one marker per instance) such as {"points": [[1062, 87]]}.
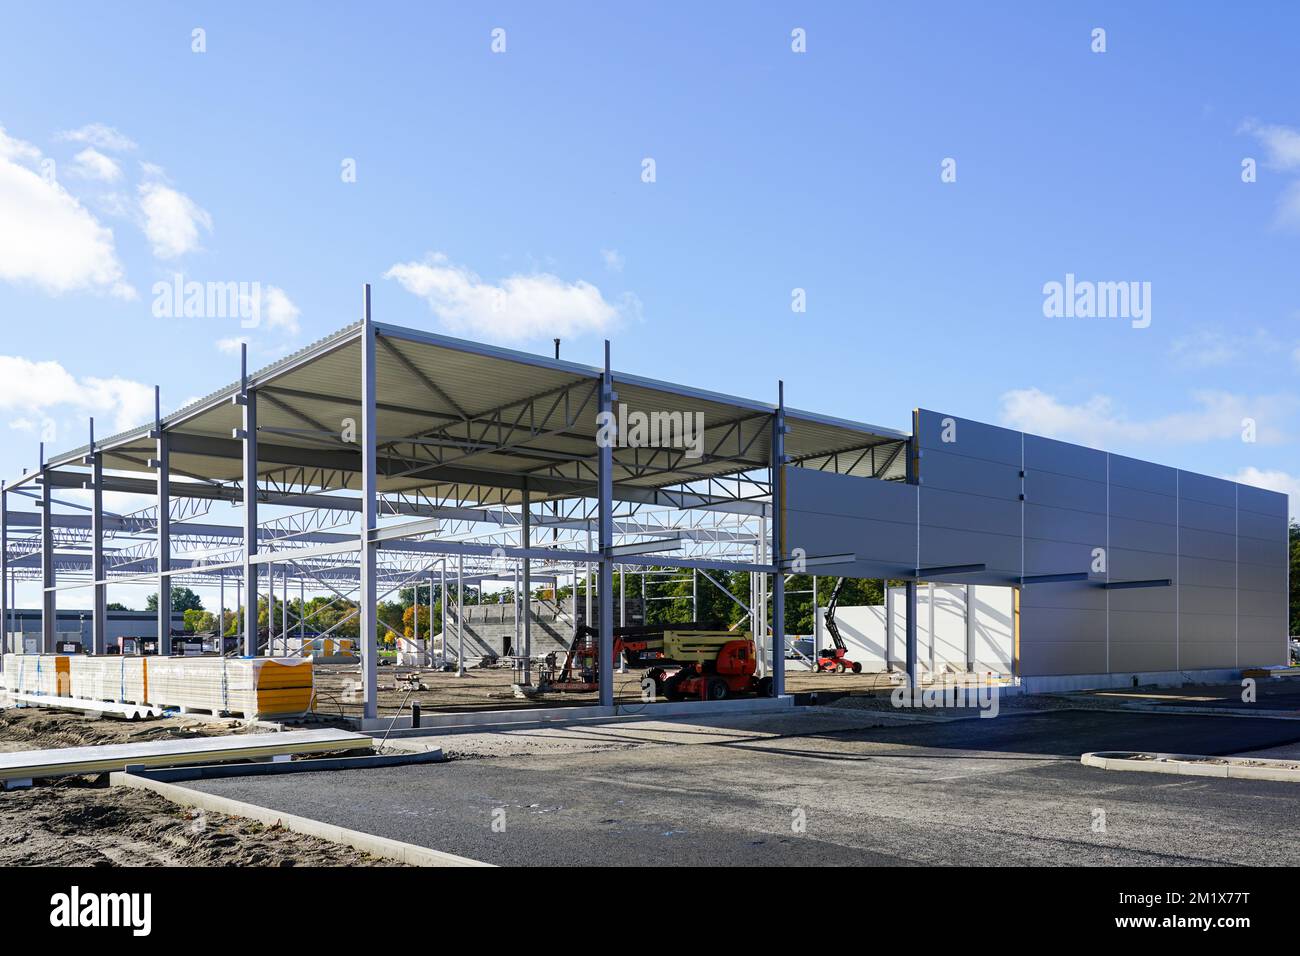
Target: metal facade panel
{"points": [[1207, 490], [1269, 503], [948, 471], [968, 438], [1064, 524], [1147, 506], [1222, 545], [1076, 461], [1055, 490], [828, 513], [1139, 475]]}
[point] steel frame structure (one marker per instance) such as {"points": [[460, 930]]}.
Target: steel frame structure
{"points": [[381, 454]]}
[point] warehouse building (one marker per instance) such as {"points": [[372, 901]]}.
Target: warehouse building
{"points": [[381, 457]]}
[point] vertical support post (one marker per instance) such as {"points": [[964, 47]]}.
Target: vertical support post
{"points": [[910, 624], [526, 535], [221, 613], [247, 398], [369, 512], [934, 661], [778, 544], [514, 647], [99, 592], [163, 465], [428, 648], [442, 595], [695, 595], [302, 615], [605, 505], [970, 629], [284, 612], [4, 575], [49, 606], [622, 613], [460, 615], [910, 586], [270, 608]]}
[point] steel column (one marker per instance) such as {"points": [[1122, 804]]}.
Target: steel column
{"points": [[910, 624], [99, 597], [164, 534], [526, 531], [369, 512], [4, 575], [605, 481], [247, 398], [460, 615], [49, 608], [778, 544]]}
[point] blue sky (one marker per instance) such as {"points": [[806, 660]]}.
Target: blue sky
{"points": [[485, 178]]}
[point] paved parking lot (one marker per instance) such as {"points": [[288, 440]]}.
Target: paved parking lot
{"points": [[821, 787]]}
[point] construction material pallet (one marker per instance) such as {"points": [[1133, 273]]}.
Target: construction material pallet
{"points": [[251, 688]]}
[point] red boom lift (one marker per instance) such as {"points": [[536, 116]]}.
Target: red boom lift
{"points": [[836, 660], [703, 661]]}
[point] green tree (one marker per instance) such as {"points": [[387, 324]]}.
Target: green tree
{"points": [[119, 606], [197, 621], [183, 599]]}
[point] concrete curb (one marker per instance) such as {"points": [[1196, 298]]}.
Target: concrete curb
{"points": [[407, 853], [265, 768], [1143, 708], [533, 718], [1195, 765]]}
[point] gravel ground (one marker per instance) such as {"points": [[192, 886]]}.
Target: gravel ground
{"points": [[32, 728], [76, 823], [83, 822]]}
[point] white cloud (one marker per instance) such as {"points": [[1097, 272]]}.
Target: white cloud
{"points": [[99, 135], [1272, 480], [1206, 348], [1288, 206], [278, 310], [42, 390], [614, 260], [518, 307], [93, 164], [172, 220], [46, 236], [1281, 143], [1100, 423], [231, 346]]}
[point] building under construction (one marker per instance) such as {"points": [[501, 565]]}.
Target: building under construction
{"points": [[382, 458]]}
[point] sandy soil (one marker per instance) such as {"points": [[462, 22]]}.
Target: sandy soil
{"points": [[83, 822], [32, 728], [75, 823]]}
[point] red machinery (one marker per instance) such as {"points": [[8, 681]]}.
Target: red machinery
{"points": [[836, 659], [684, 661]]}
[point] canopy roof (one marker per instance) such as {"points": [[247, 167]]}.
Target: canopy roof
{"points": [[458, 413]]}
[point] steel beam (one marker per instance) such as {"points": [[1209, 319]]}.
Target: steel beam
{"points": [[778, 543], [526, 533], [49, 609], [4, 576], [99, 599], [369, 513], [164, 536], [605, 482], [909, 588], [247, 398]]}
